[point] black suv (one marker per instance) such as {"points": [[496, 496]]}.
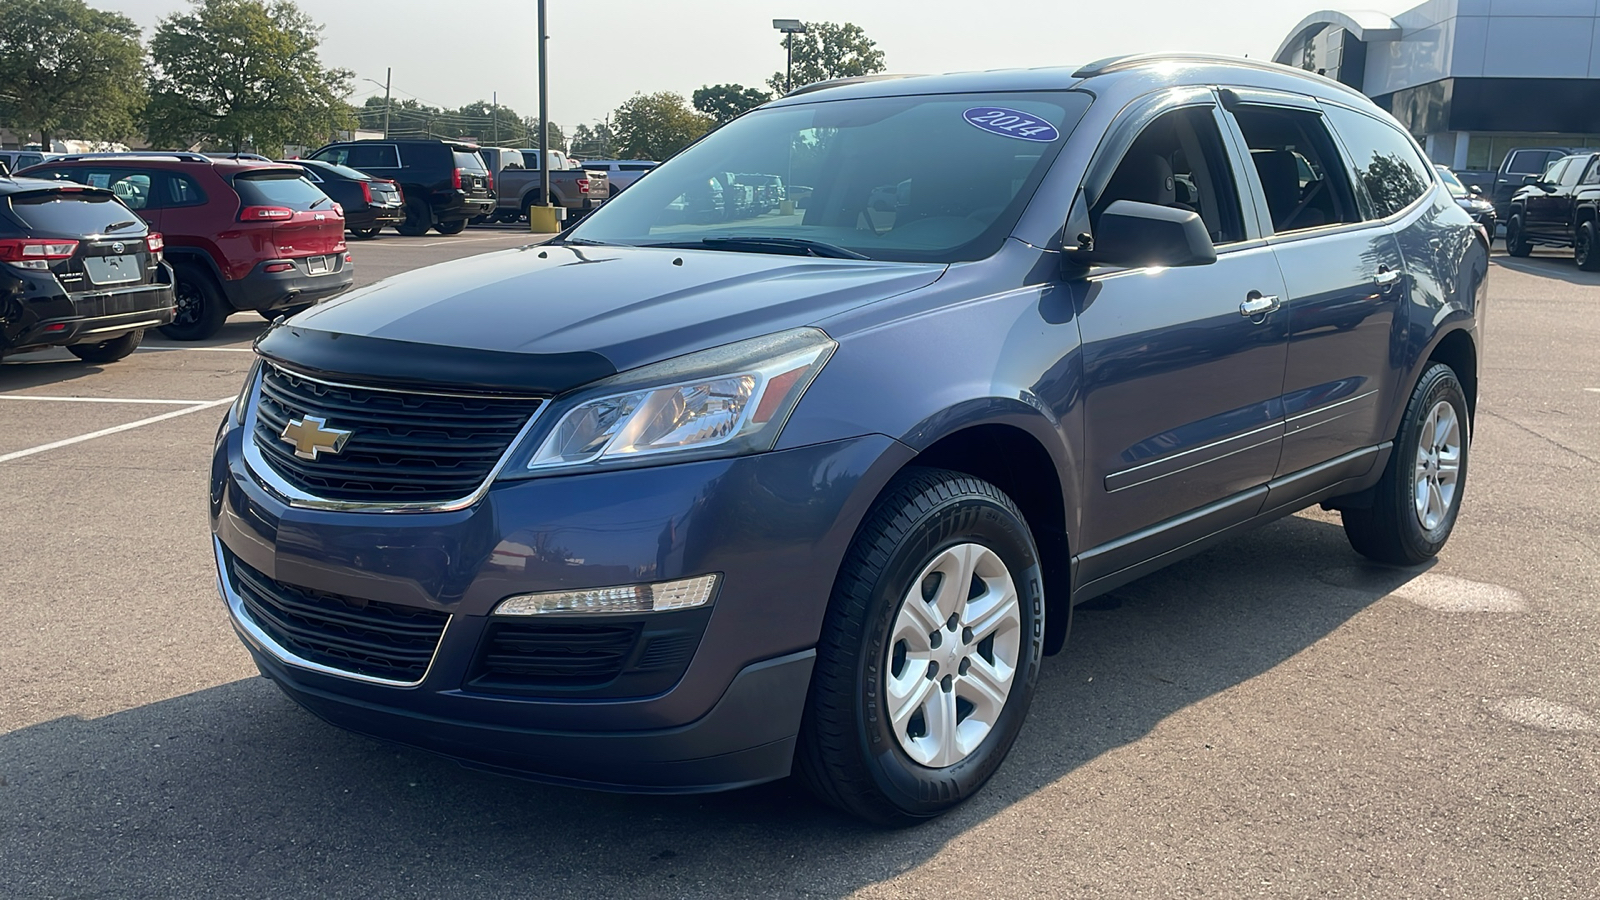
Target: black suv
{"points": [[77, 269], [444, 184], [1557, 209]]}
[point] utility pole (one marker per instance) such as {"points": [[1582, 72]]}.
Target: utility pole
{"points": [[387, 75], [544, 111], [494, 110]]}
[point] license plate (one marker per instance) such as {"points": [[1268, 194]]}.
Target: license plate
{"points": [[317, 265], [112, 269]]}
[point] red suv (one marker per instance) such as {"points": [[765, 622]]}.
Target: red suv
{"points": [[240, 234]]}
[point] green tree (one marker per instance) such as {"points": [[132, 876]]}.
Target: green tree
{"points": [[655, 126], [232, 72], [596, 141], [830, 50], [725, 102], [558, 138], [68, 68]]}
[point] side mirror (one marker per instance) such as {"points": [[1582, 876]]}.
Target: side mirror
{"points": [[1530, 179], [1136, 234], [1474, 189]]}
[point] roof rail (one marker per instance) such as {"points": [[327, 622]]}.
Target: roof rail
{"points": [[254, 157], [184, 155], [838, 82], [1132, 60]]}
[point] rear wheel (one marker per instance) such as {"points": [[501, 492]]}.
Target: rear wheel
{"points": [[929, 652], [1415, 504], [109, 350], [1517, 242], [419, 218], [200, 309], [454, 226], [1586, 247]]}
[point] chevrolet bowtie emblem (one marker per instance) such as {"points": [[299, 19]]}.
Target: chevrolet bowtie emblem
{"points": [[311, 437]]}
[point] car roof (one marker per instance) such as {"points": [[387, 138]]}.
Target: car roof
{"points": [[180, 160], [12, 185], [1115, 77]]}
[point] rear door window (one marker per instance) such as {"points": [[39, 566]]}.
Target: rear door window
{"points": [[1302, 175], [279, 189], [371, 156], [182, 191], [1385, 159], [75, 212]]}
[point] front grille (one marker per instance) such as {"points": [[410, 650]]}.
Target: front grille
{"points": [[403, 447], [368, 637]]}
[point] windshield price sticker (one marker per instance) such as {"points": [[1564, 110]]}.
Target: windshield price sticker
{"points": [[1011, 123]]}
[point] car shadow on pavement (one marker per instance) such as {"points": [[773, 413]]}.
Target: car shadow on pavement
{"points": [[1561, 268], [235, 791]]}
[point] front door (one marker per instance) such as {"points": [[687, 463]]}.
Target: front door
{"points": [[1183, 367]]}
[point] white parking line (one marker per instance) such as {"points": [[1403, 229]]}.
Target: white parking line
{"points": [[99, 400], [530, 236], [1593, 390], [18, 454], [206, 349]]}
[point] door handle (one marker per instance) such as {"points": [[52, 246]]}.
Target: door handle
{"points": [[1386, 276], [1255, 305]]}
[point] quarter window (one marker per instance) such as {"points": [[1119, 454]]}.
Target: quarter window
{"points": [[1302, 175], [1178, 161], [1394, 173]]}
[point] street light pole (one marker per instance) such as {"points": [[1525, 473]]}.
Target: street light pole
{"points": [[790, 28], [388, 74]]}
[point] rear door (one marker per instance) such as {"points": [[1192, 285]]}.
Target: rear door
{"points": [[304, 222], [1183, 368], [1343, 273]]}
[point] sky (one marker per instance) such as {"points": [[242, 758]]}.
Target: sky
{"points": [[604, 51]]}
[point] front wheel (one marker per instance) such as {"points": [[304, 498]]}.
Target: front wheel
{"points": [[1586, 248], [1415, 503], [929, 651], [419, 218], [454, 226], [110, 350], [1517, 242]]}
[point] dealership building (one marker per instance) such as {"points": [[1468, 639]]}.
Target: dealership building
{"points": [[1470, 78]]}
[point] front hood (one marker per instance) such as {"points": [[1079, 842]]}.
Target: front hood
{"points": [[548, 318]]}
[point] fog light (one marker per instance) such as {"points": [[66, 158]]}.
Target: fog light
{"points": [[638, 598]]}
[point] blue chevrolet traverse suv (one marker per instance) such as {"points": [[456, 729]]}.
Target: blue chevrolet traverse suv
{"points": [[705, 492]]}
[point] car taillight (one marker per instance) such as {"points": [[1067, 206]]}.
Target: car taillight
{"points": [[36, 254], [339, 209], [258, 213], [583, 185], [366, 193], [455, 179], [488, 181], [156, 243]]}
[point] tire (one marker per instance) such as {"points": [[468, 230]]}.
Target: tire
{"points": [[479, 220], [1394, 530], [366, 234], [201, 310], [927, 523], [108, 351], [454, 226], [1516, 242], [419, 218], [1586, 247]]}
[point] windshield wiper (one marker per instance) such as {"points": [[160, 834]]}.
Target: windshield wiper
{"points": [[317, 202], [763, 244], [585, 242], [118, 226]]}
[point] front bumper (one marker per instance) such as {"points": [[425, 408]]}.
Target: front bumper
{"points": [[775, 526], [263, 290], [40, 313]]}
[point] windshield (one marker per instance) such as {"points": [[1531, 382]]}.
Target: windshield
{"points": [[76, 212], [1457, 189], [279, 188], [935, 178]]}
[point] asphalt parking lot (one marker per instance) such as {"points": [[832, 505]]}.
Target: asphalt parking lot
{"points": [[1272, 718]]}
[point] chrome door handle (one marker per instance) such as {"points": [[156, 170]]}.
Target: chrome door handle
{"points": [[1256, 305], [1386, 277]]}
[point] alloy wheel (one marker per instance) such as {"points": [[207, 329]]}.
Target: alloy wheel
{"points": [[1438, 465], [953, 655]]}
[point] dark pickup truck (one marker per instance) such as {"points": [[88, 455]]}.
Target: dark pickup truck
{"points": [[579, 191], [1498, 186], [1558, 209]]}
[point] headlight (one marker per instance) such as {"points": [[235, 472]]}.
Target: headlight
{"points": [[719, 402]]}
